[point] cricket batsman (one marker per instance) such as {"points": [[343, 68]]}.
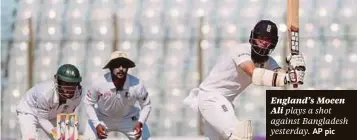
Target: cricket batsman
{"points": [[233, 72], [115, 95], [41, 104]]}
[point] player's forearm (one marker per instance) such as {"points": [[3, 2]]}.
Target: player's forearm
{"points": [[92, 115], [144, 113], [265, 77], [46, 125], [42, 115]]}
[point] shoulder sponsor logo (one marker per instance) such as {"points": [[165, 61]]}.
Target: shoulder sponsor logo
{"points": [[65, 108], [224, 108]]}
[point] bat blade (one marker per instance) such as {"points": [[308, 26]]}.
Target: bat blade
{"points": [[293, 27]]}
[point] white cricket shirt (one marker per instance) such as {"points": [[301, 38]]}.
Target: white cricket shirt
{"points": [[224, 78], [117, 104]]}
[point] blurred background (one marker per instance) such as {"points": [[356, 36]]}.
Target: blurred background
{"points": [[173, 42]]}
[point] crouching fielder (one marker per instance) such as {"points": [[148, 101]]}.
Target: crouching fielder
{"points": [[115, 95], [233, 72], [41, 104]]}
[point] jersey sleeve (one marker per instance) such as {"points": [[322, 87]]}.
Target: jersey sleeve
{"points": [[92, 95], [43, 107], [144, 102], [241, 56], [91, 98], [272, 64]]}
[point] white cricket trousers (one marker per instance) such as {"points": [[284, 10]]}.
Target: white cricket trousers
{"points": [[123, 125], [220, 120], [28, 126], [27, 123]]}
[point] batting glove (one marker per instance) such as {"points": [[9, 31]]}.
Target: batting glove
{"points": [[296, 62], [295, 76], [297, 67]]}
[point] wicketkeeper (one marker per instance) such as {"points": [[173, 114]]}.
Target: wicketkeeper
{"points": [[41, 104]]}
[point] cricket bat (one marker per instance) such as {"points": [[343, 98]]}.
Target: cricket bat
{"points": [[293, 27]]}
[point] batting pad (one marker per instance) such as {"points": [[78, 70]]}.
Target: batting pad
{"points": [[244, 131]]}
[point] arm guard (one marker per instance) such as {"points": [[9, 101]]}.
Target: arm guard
{"points": [[265, 77]]}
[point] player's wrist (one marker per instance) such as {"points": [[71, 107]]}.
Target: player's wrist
{"points": [[140, 124], [292, 77], [99, 123], [287, 80], [141, 121], [96, 123]]}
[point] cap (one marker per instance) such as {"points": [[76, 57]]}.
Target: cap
{"points": [[119, 58]]}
